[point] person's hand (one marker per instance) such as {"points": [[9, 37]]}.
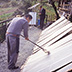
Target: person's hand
{"points": [[39, 13], [26, 38]]}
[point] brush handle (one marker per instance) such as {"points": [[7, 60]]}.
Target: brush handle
{"points": [[38, 46]]}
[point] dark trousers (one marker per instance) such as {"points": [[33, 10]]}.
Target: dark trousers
{"points": [[41, 23], [13, 49]]}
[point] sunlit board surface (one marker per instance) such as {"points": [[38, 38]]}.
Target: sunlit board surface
{"points": [[61, 49], [54, 29], [67, 68], [48, 40], [54, 24], [55, 49], [56, 35], [47, 63]]}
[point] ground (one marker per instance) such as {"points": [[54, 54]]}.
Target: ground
{"points": [[26, 49]]}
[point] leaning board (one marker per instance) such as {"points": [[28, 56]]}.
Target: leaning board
{"points": [[61, 51]]}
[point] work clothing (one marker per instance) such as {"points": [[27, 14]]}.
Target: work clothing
{"points": [[13, 49], [16, 26], [12, 37], [42, 17]]}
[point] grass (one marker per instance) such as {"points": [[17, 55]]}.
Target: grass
{"points": [[6, 9], [6, 16]]}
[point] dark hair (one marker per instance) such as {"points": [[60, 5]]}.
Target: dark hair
{"points": [[28, 15], [41, 6]]}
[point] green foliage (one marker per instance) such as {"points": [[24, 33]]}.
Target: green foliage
{"points": [[5, 13], [5, 16], [50, 12]]}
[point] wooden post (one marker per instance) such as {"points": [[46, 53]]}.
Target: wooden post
{"points": [[55, 9]]}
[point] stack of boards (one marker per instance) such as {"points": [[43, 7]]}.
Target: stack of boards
{"points": [[57, 39]]}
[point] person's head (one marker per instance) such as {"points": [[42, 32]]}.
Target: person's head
{"points": [[28, 17], [40, 7]]}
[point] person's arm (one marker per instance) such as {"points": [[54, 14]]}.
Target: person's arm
{"points": [[8, 24], [25, 30]]}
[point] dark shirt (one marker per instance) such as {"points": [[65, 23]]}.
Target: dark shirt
{"points": [[42, 11]]}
